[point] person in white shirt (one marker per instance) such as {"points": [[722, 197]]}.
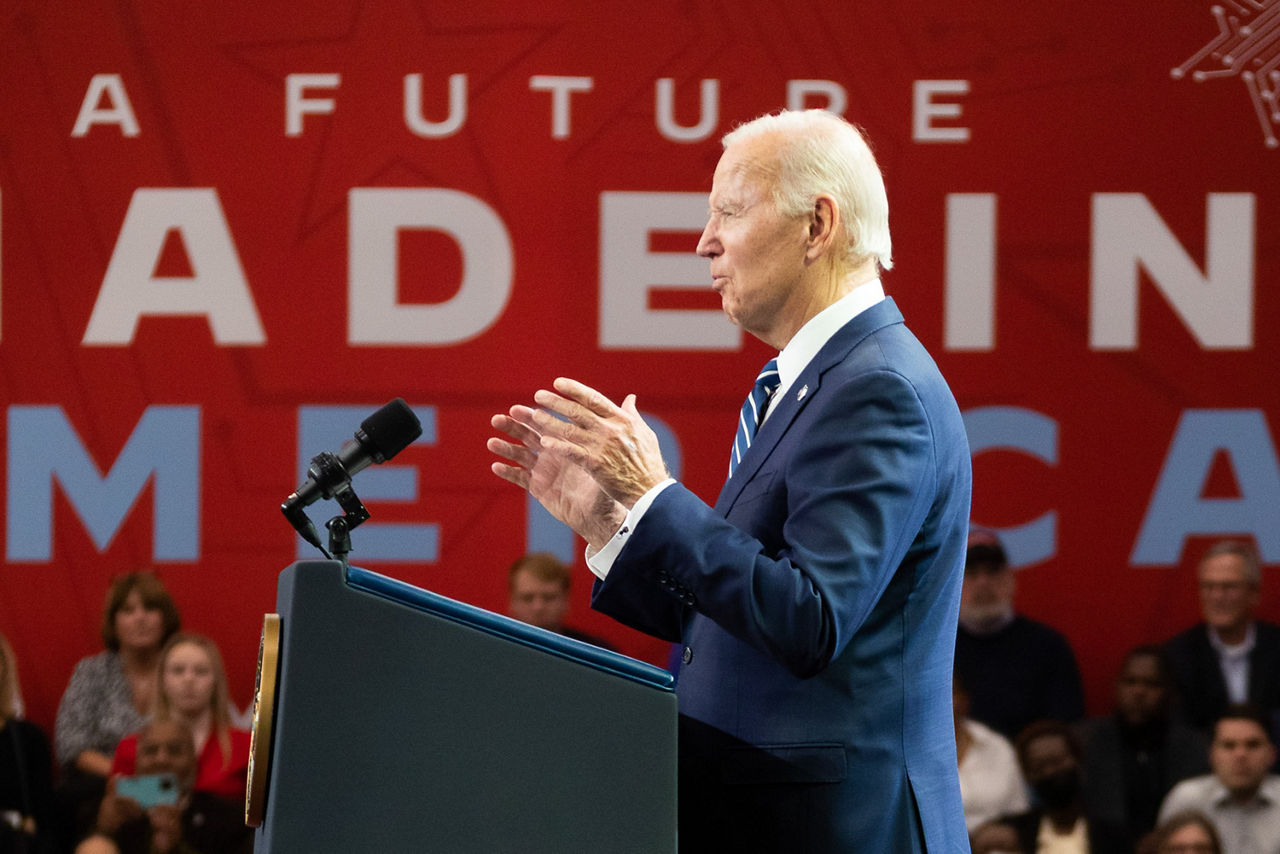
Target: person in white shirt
{"points": [[1230, 656], [991, 783], [1241, 797]]}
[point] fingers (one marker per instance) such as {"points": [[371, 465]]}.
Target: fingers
{"points": [[569, 450], [517, 454], [585, 395], [576, 402], [519, 425], [574, 422], [511, 474], [522, 453]]}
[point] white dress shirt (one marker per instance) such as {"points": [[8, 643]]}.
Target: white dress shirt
{"points": [[1234, 661]]}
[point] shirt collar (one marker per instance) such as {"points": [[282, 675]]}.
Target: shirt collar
{"points": [[1268, 793], [1239, 650], [811, 337]]}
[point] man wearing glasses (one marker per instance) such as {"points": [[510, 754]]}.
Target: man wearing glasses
{"points": [[1230, 657]]}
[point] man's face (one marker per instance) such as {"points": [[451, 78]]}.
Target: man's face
{"points": [[1241, 755], [537, 602], [166, 748], [1227, 597], [986, 593], [1140, 691], [757, 255]]}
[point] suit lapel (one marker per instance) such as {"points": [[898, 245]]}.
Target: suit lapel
{"points": [[784, 410]]}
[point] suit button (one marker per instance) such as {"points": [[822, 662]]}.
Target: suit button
{"points": [[687, 655]]}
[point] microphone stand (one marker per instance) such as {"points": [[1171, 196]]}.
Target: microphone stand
{"points": [[354, 513]]}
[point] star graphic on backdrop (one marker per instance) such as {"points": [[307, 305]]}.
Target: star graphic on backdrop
{"points": [[1246, 47]]}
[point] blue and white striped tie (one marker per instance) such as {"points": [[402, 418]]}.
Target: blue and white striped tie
{"points": [[753, 409]]}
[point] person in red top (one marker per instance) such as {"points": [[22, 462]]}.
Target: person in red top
{"points": [[192, 686]]}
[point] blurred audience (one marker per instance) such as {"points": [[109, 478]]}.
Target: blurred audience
{"points": [[1230, 656], [193, 687], [110, 694], [1188, 832], [197, 823], [1016, 670], [1240, 797], [991, 783], [26, 770], [538, 594], [1133, 757], [1049, 755]]}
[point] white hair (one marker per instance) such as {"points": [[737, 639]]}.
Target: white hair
{"points": [[821, 153], [1242, 550]]}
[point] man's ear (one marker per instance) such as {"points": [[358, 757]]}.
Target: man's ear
{"points": [[824, 222]]}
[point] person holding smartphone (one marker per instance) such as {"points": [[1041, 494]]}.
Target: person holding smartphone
{"points": [[156, 809], [192, 685], [110, 694]]}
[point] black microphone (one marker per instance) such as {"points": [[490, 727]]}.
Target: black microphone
{"points": [[381, 436]]}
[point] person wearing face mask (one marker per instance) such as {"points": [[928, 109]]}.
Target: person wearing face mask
{"points": [[192, 686], [1057, 823], [110, 694]]}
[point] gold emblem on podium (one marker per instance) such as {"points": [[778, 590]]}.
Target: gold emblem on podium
{"points": [[264, 706]]}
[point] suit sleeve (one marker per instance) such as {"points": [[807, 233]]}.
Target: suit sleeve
{"points": [[807, 552]]}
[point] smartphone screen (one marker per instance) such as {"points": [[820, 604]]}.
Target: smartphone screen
{"points": [[149, 789]]}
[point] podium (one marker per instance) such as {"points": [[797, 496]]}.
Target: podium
{"points": [[392, 719]]}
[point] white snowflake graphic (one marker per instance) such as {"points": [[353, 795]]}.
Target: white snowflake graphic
{"points": [[1247, 46]]}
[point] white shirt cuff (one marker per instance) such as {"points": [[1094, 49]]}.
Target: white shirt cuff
{"points": [[602, 561]]}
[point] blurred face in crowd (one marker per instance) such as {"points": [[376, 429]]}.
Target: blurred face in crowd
{"points": [[537, 602], [1052, 771], [188, 679], [987, 592], [137, 626], [1227, 596], [1191, 838], [1141, 693], [165, 747], [1241, 755]]}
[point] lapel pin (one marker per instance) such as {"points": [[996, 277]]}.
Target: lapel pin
{"points": [[802, 392]]}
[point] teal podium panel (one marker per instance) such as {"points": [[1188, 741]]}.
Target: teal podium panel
{"points": [[404, 721]]}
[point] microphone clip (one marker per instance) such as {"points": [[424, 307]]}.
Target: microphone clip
{"points": [[333, 480]]}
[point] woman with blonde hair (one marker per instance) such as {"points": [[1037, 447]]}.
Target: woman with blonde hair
{"points": [[191, 685], [26, 766]]}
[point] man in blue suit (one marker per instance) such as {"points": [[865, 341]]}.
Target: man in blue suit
{"points": [[817, 601]]}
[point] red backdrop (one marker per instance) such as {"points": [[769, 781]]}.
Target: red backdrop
{"points": [[1086, 227]]}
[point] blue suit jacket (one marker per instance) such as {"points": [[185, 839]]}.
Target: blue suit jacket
{"points": [[817, 603]]}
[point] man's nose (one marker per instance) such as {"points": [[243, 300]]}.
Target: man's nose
{"points": [[708, 247]]}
